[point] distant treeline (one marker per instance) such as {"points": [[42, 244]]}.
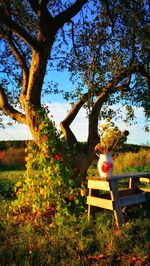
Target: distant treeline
{"points": [[4, 145], [134, 148]]}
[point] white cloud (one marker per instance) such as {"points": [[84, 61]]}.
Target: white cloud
{"points": [[79, 126], [15, 132]]}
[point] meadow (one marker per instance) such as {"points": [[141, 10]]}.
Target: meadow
{"points": [[68, 238]]}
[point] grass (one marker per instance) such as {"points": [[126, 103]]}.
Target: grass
{"points": [[74, 241], [71, 241], [8, 179]]}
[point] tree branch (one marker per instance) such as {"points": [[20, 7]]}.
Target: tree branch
{"points": [[69, 13], [9, 110], [103, 96], [141, 69], [14, 27], [34, 5], [44, 17], [68, 134], [25, 71], [75, 109], [93, 121], [73, 40], [43, 3]]}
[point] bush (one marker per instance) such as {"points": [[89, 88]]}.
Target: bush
{"points": [[49, 187]]}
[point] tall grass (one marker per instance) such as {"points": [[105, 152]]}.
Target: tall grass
{"points": [[132, 162]]}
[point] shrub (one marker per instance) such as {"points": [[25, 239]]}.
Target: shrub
{"points": [[49, 188]]}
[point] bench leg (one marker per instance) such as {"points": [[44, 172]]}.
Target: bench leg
{"points": [[116, 204], [118, 215], [133, 182]]}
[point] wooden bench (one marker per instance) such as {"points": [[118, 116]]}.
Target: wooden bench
{"points": [[116, 198]]}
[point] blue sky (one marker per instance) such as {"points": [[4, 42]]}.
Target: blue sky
{"points": [[58, 108]]}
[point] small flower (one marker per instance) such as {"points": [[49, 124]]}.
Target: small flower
{"points": [[70, 198], [1, 155], [107, 119], [83, 192], [49, 212], [26, 158], [45, 154], [57, 157], [103, 127], [45, 138]]}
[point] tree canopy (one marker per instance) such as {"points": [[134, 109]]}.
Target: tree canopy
{"points": [[103, 44]]}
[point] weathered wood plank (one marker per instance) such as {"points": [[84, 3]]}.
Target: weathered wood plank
{"points": [[145, 189], [99, 202], [145, 179], [133, 199], [115, 199], [96, 178], [128, 192], [96, 184], [121, 176]]}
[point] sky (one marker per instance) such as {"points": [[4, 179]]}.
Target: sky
{"points": [[79, 126], [58, 108]]}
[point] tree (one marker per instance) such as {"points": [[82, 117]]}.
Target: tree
{"points": [[109, 53]]}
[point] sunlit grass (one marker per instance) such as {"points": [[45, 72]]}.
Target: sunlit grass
{"points": [[72, 241], [132, 162]]}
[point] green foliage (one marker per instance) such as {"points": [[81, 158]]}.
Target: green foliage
{"points": [[7, 188], [49, 188], [107, 46], [8, 181]]}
